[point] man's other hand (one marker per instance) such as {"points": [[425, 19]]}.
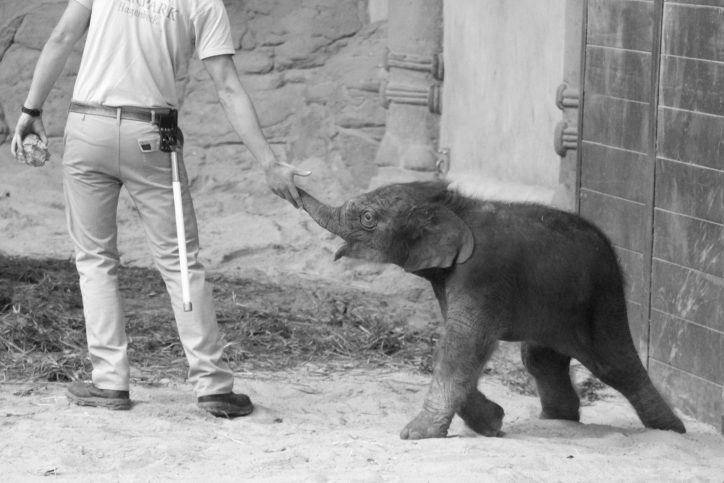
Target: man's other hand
{"points": [[26, 125]]}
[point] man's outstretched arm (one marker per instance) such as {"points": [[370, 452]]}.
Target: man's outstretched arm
{"points": [[71, 27], [241, 114]]}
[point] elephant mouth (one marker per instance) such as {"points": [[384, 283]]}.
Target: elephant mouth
{"points": [[342, 251], [360, 251]]}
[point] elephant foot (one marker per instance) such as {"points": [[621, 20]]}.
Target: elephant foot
{"points": [[653, 410], [669, 424], [560, 413], [482, 415], [426, 425], [662, 418]]}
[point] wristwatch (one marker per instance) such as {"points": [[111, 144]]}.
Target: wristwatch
{"points": [[31, 112]]}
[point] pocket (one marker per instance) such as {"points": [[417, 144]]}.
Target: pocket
{"points": [[149, 144], [74, 145], [157, 165], [68, 125]]}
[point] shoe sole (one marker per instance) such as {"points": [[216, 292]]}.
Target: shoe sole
{"points": [[101, 402], [223, 411]]}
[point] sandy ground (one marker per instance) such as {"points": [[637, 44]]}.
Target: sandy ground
{"points": [[313, 424]]}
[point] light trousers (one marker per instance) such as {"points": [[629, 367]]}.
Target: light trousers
{"points": [[101, 155]]}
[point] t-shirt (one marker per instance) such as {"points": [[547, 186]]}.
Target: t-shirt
{"points": [[138, 50]]}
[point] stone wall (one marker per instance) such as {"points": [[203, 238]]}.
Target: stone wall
{"points": [[311, 67]]}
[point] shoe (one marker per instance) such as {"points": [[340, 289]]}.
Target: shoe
{"points": [[86, 394], [227, 405]]}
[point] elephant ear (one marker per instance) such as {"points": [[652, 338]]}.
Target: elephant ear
{"points": [[436, 238]]}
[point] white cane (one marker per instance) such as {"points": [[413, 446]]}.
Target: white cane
{"points": [[180, 231]]}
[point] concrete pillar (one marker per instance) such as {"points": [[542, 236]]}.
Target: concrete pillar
{"points": [[409, 145]]}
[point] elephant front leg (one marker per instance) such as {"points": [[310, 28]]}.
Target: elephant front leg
{"points": [[460, 355]]}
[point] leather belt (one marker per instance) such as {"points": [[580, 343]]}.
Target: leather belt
{"points": [[128, 112]]}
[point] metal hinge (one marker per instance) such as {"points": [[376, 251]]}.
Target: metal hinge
{"points": [[433, 63], [565, 137], [430, 96]]}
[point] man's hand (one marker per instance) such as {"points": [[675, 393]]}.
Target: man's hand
{"points": [[26, 125], [280, 178]]}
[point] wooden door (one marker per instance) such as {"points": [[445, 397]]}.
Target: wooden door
{"points": [[616, 187], [651, 174], [686, 353]]}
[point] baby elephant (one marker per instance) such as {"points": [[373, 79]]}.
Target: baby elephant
{"points": [[502, 271]]}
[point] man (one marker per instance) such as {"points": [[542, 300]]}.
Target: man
{"points": [[135, 53]]}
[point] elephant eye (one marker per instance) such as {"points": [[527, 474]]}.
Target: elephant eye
{"points": [[368, 219]]}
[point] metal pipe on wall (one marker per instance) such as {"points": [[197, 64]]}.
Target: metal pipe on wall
{"points": [[411, 94]]}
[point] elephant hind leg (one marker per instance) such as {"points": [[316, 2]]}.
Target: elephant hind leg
{"points": [[481, 414], [611, 356], [550, 369], [628, 376]]}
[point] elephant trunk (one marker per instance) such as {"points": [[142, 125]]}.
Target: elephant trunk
{"points": [[329, 218]]}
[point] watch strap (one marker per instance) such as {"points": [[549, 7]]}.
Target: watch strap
{"points": [[31, 112]]}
